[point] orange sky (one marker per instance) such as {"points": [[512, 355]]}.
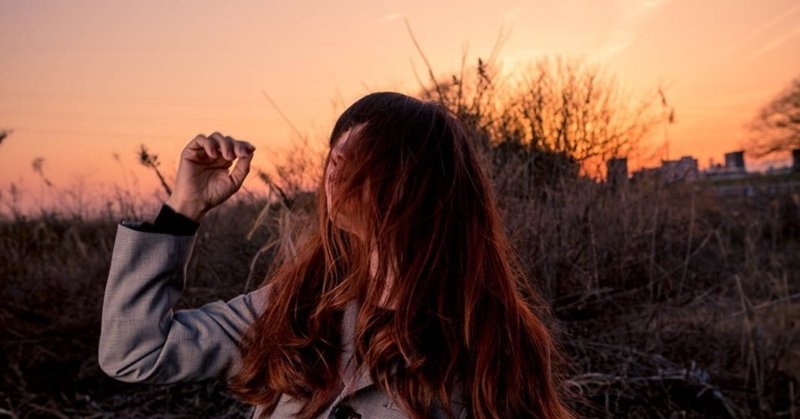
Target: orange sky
{"points": [[82, 80]]}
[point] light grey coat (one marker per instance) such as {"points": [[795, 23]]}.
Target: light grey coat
{"points": [[142, 339]]}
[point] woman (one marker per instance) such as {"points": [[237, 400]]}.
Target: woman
{"points": [[406, 302]]}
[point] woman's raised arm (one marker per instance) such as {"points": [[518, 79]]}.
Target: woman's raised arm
{"points": [[142, 339]]}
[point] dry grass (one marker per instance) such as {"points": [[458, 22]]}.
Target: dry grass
{"points": [[667, 309], [671, 301]]}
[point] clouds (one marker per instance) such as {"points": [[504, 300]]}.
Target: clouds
{"points": [[770, 24], [775, 42], [633, 14], [390, 17]]}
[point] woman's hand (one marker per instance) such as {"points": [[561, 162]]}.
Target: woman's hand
{"points": [[203, 181]]}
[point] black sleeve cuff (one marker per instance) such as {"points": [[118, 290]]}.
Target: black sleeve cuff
{"points": [[168, 222], [171, 222]]}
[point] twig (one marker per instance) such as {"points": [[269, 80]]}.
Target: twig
{"points": [[49, 410], [689, 376], [8, 413], [424, 59], [754, 359], [688, 243], [285, 118], [769, 304], [151, 161]]}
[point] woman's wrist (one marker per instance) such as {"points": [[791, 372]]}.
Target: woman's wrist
{"points": [[170, 222], [192, 210]]}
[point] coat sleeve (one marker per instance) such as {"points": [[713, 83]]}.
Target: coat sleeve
{"points": [[142, 339]]}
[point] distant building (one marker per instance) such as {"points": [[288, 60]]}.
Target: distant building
{"points": [[735, 160], [617, 171], [684, 169], [646, 173], [732, 180], [733, 168], [794, 167], [778, 171]]}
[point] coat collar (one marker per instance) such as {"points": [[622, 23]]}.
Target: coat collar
{"points": [[355, 377]]}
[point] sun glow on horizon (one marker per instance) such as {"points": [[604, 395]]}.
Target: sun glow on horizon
{"points": [[83, 82]]}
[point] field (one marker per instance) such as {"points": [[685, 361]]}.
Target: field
{"points": [[670, 301]]}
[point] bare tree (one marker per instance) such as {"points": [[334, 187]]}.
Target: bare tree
{"points": [[557, 118], [572, 108], [776, 129]]}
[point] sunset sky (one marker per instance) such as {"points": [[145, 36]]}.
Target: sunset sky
{"points": [[82, 80]]}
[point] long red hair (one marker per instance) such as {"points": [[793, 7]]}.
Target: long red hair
{"points": [[463, 314]]}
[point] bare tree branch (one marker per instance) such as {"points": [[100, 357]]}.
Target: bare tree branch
{"points": [[776, 129]]}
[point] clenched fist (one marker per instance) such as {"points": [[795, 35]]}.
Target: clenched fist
{"points": [[203, 180]]}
